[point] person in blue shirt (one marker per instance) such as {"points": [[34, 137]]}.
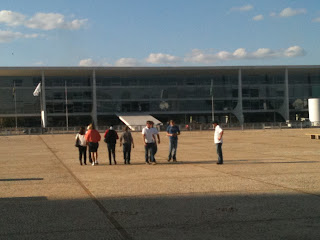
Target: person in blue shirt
{"points": [[172, 132]]}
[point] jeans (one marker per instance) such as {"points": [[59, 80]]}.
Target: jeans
{"points": [[126, 152], [173, 145], [219, 152], [155, 150], [112, 149], [149, 147], [83, 152]]}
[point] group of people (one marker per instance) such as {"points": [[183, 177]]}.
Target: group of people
{"points": [[150, 137], [92, 137]]}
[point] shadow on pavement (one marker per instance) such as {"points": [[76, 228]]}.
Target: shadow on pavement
{"points": [[193, 216]]}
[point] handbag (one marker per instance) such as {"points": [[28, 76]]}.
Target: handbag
{"points": [[77, 142]]}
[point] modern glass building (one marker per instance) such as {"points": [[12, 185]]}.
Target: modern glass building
{"points": [[79, 95]]}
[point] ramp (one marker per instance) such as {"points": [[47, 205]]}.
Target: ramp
{"points": [[137, 122]]}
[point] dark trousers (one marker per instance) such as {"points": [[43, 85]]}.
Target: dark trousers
{"points": [[112, 150], [83, 152], [149, 149], [219, 152], [155, 150], [173, 145], [126, 152]]}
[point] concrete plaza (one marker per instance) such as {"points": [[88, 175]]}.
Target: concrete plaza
{"points": [[268, 188]]}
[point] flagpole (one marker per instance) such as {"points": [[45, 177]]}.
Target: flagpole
{"points": [[36, 93], [41, 120], [66, 93], [15, 104]]}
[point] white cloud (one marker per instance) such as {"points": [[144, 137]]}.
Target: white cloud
{"points": [[258, 17], [289, 12], [43, 21], [240, 53], [127, 62], [202, 57], [294, 51], [199, 56], [242, 8], [49, 21], [89, 62], [8, 36], [40, 63], [11, 18], [264, 53], [161, 58], [273, 14], [316, 19]]}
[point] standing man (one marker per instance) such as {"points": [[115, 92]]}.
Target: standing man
{"points": [[110, 137], [156, 136], [172, 132], [127, 142], [148, 141], [218, 133]]}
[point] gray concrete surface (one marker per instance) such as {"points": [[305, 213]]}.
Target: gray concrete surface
{"points": [[268, 188]]}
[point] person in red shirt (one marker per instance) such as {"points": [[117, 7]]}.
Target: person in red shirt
{"points": [[93, 137]]}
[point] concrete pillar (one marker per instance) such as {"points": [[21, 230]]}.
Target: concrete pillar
{"points": [[43, 100], [94, 100], [284, 109], [238, 111]]}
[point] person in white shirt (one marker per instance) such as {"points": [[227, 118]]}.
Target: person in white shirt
{"points": [[157, 136], [80, 137], [148, 141], [218, 133]]}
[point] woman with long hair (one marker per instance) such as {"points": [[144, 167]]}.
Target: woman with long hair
{"points": [[80, 137], [93, 137]]}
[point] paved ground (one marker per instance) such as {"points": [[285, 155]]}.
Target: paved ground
{"points": [[268, 188]]}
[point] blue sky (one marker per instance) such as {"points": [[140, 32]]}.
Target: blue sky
{"points": [[159, 33]]}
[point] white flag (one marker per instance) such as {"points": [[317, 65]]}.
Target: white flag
{"points": [[37, 90]]}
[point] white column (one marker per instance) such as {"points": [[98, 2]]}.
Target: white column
{"points": [[238, 111], [284, 109], [286, 94], [44, 106], [94, 100]]}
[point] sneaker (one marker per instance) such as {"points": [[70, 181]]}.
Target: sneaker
{"points": [[147, 163], [92, 163], [154, 163], [96, 163]]}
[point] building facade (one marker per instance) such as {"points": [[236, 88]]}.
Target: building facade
{"points": [[80, 95]]}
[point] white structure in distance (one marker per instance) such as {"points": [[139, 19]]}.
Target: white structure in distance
{"points": [[314, 111]]}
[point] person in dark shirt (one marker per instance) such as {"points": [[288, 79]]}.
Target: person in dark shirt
{"points": [[127, 139], [172, 132], [110, 137]]}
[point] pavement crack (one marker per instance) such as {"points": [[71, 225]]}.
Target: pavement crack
{"points": [[112, 220]]}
